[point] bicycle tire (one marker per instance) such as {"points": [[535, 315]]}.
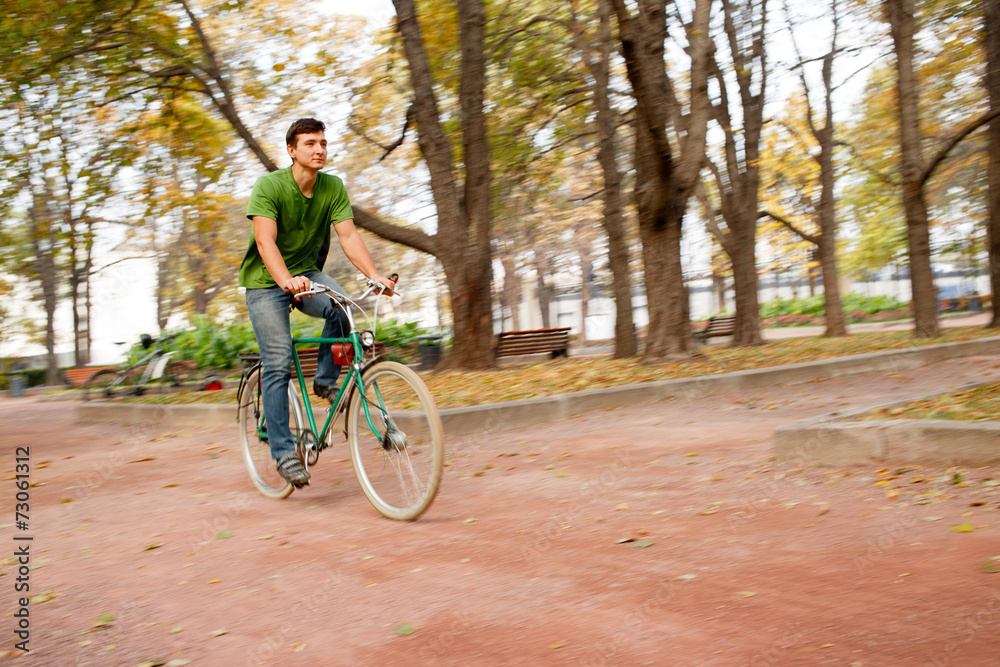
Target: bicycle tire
{"points": [[257, 451], [399, 466], [98, 386], [179, 371]]}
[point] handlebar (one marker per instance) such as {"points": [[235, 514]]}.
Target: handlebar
{"points": [[377, 288]]}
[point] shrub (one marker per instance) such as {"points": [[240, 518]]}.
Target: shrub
{"points": [[854, 304]]}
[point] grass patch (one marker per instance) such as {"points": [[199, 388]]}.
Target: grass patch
{"points": [[979, 404], [456, 389]]}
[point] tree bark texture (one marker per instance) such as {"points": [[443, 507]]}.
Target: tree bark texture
{"points": [[43, 244], [826, 240], [607, 154], [740, 187], [511, 297], [903, 22], [992, 38], [665, 182], [463, 213], [543, 267]]}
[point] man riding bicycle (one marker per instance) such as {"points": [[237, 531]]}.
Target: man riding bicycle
{"points": [[292, 210]]}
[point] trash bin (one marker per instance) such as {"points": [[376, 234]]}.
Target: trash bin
{"points": [[16, 384], [430, 351]]}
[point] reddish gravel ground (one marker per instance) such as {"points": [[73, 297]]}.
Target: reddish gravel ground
{"points": [[151, 547]]}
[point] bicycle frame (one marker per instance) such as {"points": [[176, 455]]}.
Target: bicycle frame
{"points": [[353, 380], [153, 370]]}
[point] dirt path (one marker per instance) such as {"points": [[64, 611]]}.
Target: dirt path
{"points": [[749, 561]]}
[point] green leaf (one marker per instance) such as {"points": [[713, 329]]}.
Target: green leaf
{"points": [[963, 528], [404, 630], [105, 619], [989, 567], [226, 534]]}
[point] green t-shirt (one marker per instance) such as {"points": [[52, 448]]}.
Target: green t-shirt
{"points": [[303, 223]]}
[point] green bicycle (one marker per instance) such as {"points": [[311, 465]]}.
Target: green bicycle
{"points": [[391, 424]]}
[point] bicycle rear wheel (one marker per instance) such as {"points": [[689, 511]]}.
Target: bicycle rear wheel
{"points": [[253, 434], [399, 463]]}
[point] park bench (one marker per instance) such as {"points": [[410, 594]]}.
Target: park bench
{"points": [[537, 341], [720, 325], [77, 377], [308, 358], [965, 303]]}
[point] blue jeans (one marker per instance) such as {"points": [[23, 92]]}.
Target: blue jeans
{"points": [[269, 308]]}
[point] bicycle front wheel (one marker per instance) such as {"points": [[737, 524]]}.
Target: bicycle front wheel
{"points": [[99, 384], [396, 441], [253, 434]]}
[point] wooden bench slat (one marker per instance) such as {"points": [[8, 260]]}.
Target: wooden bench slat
{"points": [[535, 341], [724, 325], [77, 377]]}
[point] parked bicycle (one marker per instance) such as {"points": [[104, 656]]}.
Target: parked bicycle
{"points": [[131, 379], [391, 424]]}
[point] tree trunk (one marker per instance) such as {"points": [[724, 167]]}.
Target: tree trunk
{"points": [[607, 155], [992, 39], [463, 219], [665, 183], [511, 291], [43, 243], [740, 186], [827, 242], [544, 292], [746, 330], [586, 268], [902, 21]]}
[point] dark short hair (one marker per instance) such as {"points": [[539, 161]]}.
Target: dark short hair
{"points": [[302, 126]]}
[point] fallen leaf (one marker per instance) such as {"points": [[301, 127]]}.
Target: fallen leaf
{"points": [[642, 545], [44, 597], [404, 630], [218, 633], [989, 567], [174, 630], [148, 458], [687, 577], [625, 540], [154, 545], [226, 534], [963, 528], [104, 619], [747, 594]]}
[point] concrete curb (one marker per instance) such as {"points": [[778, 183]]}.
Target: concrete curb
{"points": [[527, 412], [837, 439]]}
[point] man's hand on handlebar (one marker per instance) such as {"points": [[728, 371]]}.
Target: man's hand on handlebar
{"points": [[390, 282], [295, 284]]}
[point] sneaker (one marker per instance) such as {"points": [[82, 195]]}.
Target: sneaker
{"points": [[329, 392], [290, 467]]}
